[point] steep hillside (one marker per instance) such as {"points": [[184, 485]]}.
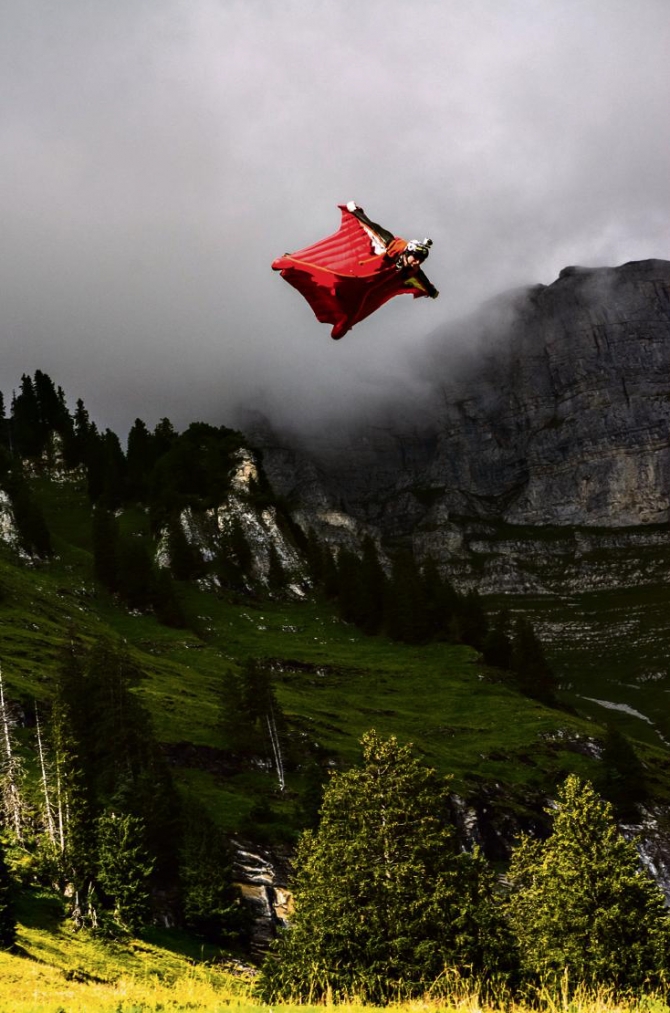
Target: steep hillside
{"points": [[178, 662]]}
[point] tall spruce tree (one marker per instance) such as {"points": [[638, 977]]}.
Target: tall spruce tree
{"points": [[105, 537], [124, 867], [140, 457], [210, 900], [406, 618], [7, 910], [385, 899], [27, 431], [497, 646], [532, 671], [441, 601], [623, 779], [581, 906]]}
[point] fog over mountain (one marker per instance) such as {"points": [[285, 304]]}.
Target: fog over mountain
{"points": [[156, 157]]}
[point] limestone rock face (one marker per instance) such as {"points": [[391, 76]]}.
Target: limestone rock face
{"points": [[563, 418], [546, 412]]}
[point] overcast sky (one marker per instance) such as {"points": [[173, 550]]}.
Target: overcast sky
{"points": [[157, 155]]}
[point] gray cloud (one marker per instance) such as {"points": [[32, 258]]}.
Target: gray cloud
{"points": [[156, 157]]}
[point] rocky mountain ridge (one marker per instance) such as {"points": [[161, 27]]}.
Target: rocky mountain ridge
{"points": [[542, 435]]}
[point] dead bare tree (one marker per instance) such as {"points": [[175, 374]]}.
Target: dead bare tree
{"points": [[11, 773]]}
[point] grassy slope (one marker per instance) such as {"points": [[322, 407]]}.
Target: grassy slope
{"points": [[341, 682], [57, 969], [437, 696], [332, 682]]}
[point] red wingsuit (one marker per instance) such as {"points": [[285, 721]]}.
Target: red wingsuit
{"points": [[349, 275]]}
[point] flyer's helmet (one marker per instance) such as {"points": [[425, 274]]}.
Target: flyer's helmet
{"points": [[419, 249]]}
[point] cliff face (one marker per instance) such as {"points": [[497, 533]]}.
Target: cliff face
{"points": [[543, 430], [564, 420]]}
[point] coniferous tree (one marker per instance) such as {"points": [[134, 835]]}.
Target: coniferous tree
{"points": [[329, 573], [623, 779], [497, 647], [470, 622], [105, 759], [234, 558], [113, 471], [581, 905], [164, 437], [185, 559], [348, 585], [74, 852], [140, 458], [83, 436], [251, 718], [28, 432], [232, 710], [32, 527], [105, 537], [529, 664], [405, 613], [53, 413], [441, 601], [7, 909], [372, 589], [211, 903], [124, 867], [384, 896], [314, 554], [166, 603], [12, 803], [135, 572], [276, 577]]}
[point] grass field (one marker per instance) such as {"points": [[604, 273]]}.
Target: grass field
{"points": [[59, 971], [333, 684]]}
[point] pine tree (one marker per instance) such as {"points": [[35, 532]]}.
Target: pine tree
{"points": [[104, 758], [441, 601], [7, 910], [581, 904], [234, 558], [71, 790], [372, 589], [276, 577], [623, 779], [210, 901], [232, 716], [166, 603], [532, 671], [124, 867], [140, 458], [470, 622], [79, 449], [4, 425], [12, 803], [405, 611], [32, 527], [348, 585], [185, 560], [53, 413], [135, 572], [113, 471], [497, 647], [27, 429], [384, 897], [105, 537]]}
